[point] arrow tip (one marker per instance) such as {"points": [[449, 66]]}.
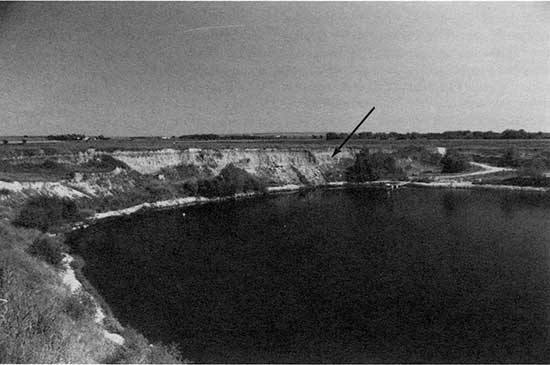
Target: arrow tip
{"points": [[336, 151]]}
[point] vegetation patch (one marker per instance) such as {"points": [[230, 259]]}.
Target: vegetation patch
{"points": [[45, 212], [231, 180], [80, 305], [453, 162], [539, 182], [34, 326], [374, 166], [419, 153], [49, 249], [48, 168], [104, 163]]}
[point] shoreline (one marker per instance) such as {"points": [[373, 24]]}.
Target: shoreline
{"points": [[289, 188]]}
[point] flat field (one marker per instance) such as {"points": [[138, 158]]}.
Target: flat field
{"points": [[37, 147]]}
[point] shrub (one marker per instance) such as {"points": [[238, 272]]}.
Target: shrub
{"points": [[105, 162], [49, 249], [79, 306], [231, 180], [536, 181], [189, 187], [44, 212], [77, 263], [158, 191], [510, 157], [239, 180], [419, 153], [533, 168], [453, 162], [369, 167], [51, 165], [211, 187]]}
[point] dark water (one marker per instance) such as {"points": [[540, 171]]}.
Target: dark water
{"points": [[335, 276]]}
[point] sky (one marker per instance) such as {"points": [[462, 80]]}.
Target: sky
{"points": [[173, 68]]}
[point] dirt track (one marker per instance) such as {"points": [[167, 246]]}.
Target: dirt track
{"points": [[487, 169]]}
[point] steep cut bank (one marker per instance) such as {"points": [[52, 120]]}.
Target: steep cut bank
{"points": [[97, 173], [86, 175], [278, 166]]}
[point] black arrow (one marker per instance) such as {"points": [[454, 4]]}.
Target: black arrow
{"points": [[338, 149]]}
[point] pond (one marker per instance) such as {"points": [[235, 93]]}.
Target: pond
{"points": [[356, 275]]}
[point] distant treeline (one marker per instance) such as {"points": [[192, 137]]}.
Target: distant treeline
{"points": [[206, 137], [73, 137], [507, 134]]}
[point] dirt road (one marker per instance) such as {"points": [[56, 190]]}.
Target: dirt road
{"points": [[487, 169]]}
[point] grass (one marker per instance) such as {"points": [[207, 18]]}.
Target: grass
{"points": [[34, 327]]}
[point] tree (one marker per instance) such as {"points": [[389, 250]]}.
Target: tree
{"points": [[511, 157], [369, 167], [454, 162], [533, 168]]}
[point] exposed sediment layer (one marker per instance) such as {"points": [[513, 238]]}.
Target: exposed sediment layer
{"points": [[278, 165], [275, 166]]}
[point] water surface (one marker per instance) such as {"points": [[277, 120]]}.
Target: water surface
{"points": [[335, 276]]}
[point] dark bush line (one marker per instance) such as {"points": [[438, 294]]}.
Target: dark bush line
{"points": [[104, 163], [539, 182], [453, 162], [45, 212], [79, 306], [374, 166], [46, 167], [49, 249], [419, 153], [506, 134], [230, 181], [101, 163]]}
